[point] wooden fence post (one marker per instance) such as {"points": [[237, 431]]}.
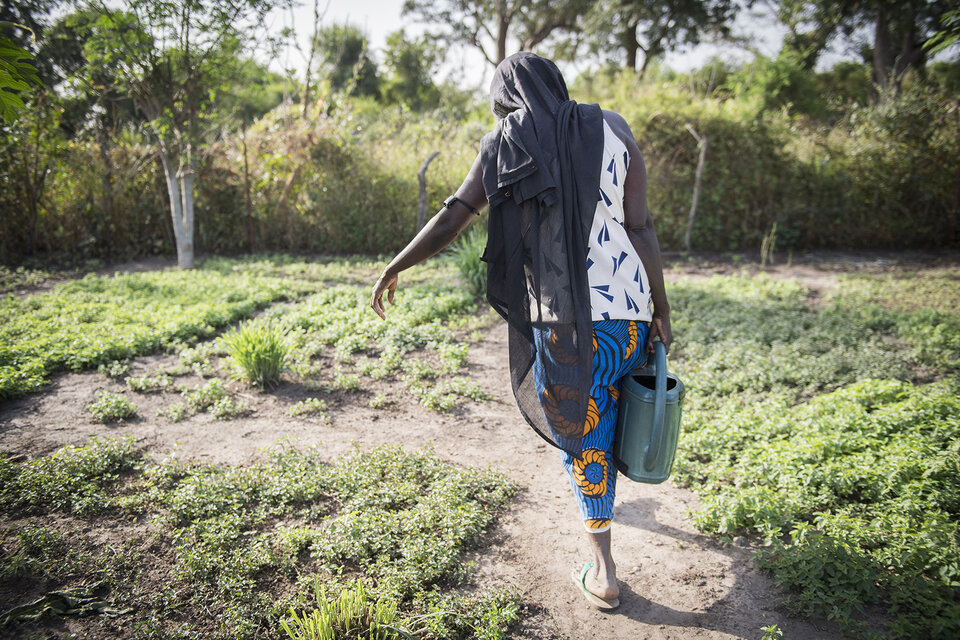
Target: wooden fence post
{"points": [[702, 144], [422, 179]]}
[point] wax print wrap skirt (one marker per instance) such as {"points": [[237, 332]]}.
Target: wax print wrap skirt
{"points": [[618, 348]]}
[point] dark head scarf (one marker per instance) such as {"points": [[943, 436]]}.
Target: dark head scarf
{"points": [[541, 174]]}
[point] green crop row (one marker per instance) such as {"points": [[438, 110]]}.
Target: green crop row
{"points": [[98, 319], [817, 428], [236, 548]]}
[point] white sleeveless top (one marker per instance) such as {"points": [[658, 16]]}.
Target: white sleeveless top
{"points": [[619, 289]]}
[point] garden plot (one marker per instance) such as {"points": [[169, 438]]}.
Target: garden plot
{"points": [[769, 366]]}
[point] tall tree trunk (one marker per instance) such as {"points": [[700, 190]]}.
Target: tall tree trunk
{"points": [[882, 54], [503, 24], [181, 235], [628, 41]]}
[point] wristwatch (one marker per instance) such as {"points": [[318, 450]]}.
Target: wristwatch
{"points": [[451, 199]]}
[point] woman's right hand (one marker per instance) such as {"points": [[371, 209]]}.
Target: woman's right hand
{"points": [[386, 283], [660, 327]]}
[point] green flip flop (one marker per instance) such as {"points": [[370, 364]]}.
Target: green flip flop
{"points": [[581, 581]]}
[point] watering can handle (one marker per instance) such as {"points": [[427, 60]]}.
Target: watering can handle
{"points": [[659, 405]]}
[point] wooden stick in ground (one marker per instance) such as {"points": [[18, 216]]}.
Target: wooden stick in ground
{"points": [[702, 145], [422, 179]]}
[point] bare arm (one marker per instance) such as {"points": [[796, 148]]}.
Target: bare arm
{"points": [[439, 232], [639, 225]]}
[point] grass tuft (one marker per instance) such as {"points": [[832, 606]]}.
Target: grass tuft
{"points": [[466, 254], [259, 351]]}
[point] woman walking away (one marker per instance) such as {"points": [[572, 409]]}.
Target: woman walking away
{"points": [[573, 266]]}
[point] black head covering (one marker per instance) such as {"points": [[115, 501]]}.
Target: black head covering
{"points": [[541, 174]]}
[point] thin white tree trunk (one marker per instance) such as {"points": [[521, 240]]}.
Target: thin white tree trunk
{"points": [[182, 232], [185, 260]]}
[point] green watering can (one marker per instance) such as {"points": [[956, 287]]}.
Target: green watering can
{"points": [[648, 421]]}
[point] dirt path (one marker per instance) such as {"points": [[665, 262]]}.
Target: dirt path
{"points": [[676, 583]]}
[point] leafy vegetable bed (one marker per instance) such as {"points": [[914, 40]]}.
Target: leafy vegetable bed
{"points": [[97, 319], [803, 427], [232, 552]]}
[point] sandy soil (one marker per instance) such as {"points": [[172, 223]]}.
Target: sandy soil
{"points": [[675, 582]]}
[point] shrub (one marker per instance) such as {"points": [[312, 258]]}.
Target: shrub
{"points": [[112, 407], [466, 255], [259, 351]]}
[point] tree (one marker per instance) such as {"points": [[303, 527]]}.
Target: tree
{"points": [[411, 64], [653, 27], [172, 58], [488, 25], [349, 67], [900, 31]]}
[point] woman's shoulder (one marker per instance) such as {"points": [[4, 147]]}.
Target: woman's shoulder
{"points": [[618, 124]]}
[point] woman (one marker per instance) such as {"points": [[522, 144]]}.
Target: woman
{"points": [[573, 266]]}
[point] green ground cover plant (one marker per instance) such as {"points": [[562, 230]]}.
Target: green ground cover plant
{"points": [[833, 433], [309, 407], [99, 319], [111, 407], [239, 552], [419, 342]]}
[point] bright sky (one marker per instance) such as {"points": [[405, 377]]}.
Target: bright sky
{"points": [[377, 18]]}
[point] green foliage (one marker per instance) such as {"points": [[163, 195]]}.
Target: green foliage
{"points": [[96, 320], [116, 369], [350, 615], [466, 255], [771, 632], [406, 517], [149, 384], [16, 74], [74, 479], [309, 407], [412, 63], [259, 352], [850, 480], [807, 152], [251, 543], [175, 412], [428, 312], [444, 394], [227, 407], [111, 407], [206, 396], [349, 68]]}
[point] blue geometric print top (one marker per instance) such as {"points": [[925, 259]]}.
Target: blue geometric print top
{"points": [[619, 289]]}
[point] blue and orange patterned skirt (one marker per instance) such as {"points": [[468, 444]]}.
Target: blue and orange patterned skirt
{"points": [[618, 348]]}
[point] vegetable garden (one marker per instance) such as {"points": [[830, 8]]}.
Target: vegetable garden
{"points": [[825, 428]]}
